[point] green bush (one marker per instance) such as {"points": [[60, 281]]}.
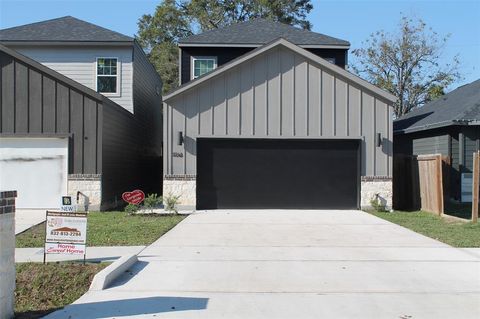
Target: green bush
{"points": [[377, 204], [131, 209], [152, 201], [170, 203]]}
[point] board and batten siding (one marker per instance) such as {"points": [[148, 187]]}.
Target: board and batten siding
{"points": [[431, 145], [471, 137], [278, 94], [147, 99], [34, 103], [79, 64]]}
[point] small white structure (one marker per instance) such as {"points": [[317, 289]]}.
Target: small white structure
{"points": [[37, 168], [7, 253]]}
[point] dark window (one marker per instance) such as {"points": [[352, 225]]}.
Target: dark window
{"points": [[107, 75]]}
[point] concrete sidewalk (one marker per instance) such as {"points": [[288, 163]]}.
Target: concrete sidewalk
{"points": [[94, 254], [27, 218], [290, 264]]}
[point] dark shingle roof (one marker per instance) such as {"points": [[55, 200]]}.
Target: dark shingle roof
{"points": [[64, 29], [259, 32], [460, 106]]}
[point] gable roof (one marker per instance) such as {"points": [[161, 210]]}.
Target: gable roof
{"points": [[64, 29], [258, 32], [459, 107], [282, 42]]}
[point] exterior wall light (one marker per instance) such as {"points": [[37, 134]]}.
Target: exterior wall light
{"points": [[379, 139], [180, 138]]}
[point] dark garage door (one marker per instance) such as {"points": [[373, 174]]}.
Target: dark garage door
{"points": [[281, 173]]}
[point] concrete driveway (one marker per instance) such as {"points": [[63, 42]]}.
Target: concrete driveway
{"points": [[291, 264], [27, 218]]}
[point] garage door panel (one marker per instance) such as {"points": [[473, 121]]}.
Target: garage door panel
{"points": [[277, 174], [36, 168]]}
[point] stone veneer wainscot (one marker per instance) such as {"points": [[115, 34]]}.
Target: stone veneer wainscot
{"points": [[90, 187]]}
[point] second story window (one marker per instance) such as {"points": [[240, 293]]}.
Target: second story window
{"points": [[202, 65], [107, 75]]}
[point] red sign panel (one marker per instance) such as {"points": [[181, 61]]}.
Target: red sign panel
{"points": [[134, 197]]}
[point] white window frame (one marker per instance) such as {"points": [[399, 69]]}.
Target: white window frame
{"points": [[200, 57], [117, 93]]}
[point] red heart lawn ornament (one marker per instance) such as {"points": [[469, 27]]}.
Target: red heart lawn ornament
{"points": [[134, 197]]}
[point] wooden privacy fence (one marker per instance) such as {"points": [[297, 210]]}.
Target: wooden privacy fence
{"points": [[475, 186], [420, 182]]}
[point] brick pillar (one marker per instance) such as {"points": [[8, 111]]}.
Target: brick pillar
{"points": [[7, 253]]}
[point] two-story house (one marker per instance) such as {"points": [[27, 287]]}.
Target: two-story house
{"points": [[267, 116], [80, 114], [204, 52]]}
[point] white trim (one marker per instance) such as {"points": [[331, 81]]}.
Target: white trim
{"points": [[201, 57], [179, 66], [253, 45], [118, 76], [312, 57]]}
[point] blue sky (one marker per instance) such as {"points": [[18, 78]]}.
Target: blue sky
{"points": [[351, 20]]}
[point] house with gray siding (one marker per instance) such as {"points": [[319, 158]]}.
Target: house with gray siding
{"points": [[449, 126], [279, 126], [81, 114], [201, 52]]}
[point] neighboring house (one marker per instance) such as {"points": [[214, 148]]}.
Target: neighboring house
{"points": [[449, 126], [277, 127], [204, 52], [58, 134]]}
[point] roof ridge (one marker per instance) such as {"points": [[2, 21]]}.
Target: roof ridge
{"points": [[238, 34], [37, 22], [64, 29]]}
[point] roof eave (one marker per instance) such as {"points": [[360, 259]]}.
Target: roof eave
{"points": [[67, 43], [256, 45], [425, 127], [281, 41]]}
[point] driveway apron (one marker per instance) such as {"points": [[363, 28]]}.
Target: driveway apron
{"points": [[290, 264]]}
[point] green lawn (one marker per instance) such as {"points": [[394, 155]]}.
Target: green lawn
{"points": [[452, 232], [41, 289], [111, 229]]}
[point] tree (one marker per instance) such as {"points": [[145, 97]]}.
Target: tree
{"points": [[159, 33], [407, 64], [211, 14]]}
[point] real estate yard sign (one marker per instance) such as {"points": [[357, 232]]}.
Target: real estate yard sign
{"points": [[66, 233]]}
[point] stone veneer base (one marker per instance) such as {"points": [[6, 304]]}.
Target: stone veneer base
{"points": [[185, 187], [90, 187], [371, 186]]}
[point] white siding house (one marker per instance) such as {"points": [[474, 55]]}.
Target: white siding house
{"points": [[80, 64]]}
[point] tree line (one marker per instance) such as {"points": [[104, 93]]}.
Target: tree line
{"points": [[405, 63]]}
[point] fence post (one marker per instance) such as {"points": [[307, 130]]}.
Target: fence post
{"points": [[440, 199], [475, 185]]}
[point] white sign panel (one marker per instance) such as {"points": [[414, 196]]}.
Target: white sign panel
{"points": [[67, 249], [67, 204], [66, 228]]}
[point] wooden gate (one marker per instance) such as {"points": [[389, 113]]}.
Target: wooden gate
{"points": [[418, 183], [475, 186], [430, 183]]}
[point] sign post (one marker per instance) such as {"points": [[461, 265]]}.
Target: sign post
{"points": [[66, 231]]}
